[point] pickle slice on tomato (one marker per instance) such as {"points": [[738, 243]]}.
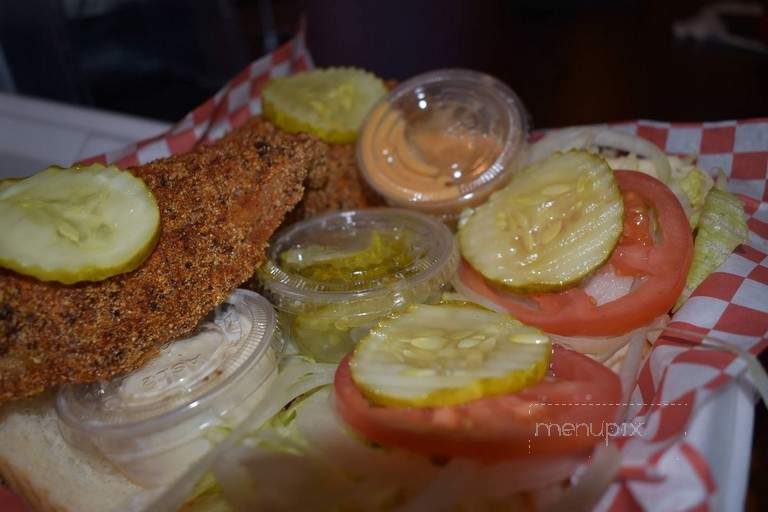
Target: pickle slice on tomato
{"points": [[77, 224], [447, 354], [330, 103], [556, 221], [7, 182], [655, 248]]}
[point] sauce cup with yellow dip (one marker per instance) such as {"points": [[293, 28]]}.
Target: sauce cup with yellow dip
{"points": [[443, 141], [333, 277]]}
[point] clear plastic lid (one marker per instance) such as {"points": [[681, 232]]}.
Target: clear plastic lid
{"points": [[443, 140], [358, 255], [189, 377]]}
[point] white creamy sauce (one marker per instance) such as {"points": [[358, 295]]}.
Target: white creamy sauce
{"points": [[185, 369]]}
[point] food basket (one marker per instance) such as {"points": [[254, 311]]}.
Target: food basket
{"points": [[695, 403]]}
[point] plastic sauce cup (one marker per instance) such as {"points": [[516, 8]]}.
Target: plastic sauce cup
{"points": [[371, 263], [154, 423], [443, 141]]}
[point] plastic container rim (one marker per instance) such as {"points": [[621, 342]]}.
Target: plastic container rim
{"points": [[482, 185], [183, 412], [276, 282]]}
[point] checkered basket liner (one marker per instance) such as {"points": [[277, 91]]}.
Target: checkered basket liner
{"points": [[662, 469]]}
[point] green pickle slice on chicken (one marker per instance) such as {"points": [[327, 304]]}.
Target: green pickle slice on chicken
{"points": [[84, 223]]}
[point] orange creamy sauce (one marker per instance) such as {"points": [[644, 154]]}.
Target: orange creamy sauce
{"points": [[428, 158]]}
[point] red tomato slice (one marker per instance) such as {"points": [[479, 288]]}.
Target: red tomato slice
{"points": [[563, 414], [10, 502], [631, 256], [660, 263]]}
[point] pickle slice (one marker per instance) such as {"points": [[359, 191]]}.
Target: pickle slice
{"points": [[330, 103], [384, 259], [555, 222], [77, 224], [447, 354], [329, 333], [7, 182]]}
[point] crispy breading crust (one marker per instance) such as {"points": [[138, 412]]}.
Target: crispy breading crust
{"points": [[339, 186], [219, 205]]}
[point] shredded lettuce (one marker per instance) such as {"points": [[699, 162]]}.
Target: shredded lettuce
{"points": [[721, 228], [206, 497], [297, 376], [689, 183], [280, 434], [716, 214], [629, 152], [695, 185], [306, 458]]}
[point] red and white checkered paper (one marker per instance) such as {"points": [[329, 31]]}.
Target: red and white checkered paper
{"points": [[663, 469], [678, 377]]}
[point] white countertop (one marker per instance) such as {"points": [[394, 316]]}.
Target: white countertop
{"points": [[35, 133]]}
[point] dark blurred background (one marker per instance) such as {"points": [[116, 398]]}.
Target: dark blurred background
{"points": [[572, 62], [575, 61]]}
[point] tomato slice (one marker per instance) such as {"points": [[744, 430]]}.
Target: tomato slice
{"points": [[10, 502], [660, 264], [563, 414]]}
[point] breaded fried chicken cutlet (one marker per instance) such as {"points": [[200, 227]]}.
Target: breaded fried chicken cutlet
{"points": [[335, 186], [218, 205]]}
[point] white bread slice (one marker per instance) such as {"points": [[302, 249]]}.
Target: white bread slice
{"points": [[50, 475]]}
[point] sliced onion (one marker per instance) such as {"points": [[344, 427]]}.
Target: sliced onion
{"points": [[631, 364], [297, 376], [606, 286], [598, 348], [472, 296], [325, 431], [614, 362], [561, 140], [445, 490], [571, 138], [526, 474], [469, 485], [588, 485]]}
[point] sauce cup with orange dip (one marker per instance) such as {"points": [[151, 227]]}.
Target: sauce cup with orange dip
{"points": [[443, 141]]}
